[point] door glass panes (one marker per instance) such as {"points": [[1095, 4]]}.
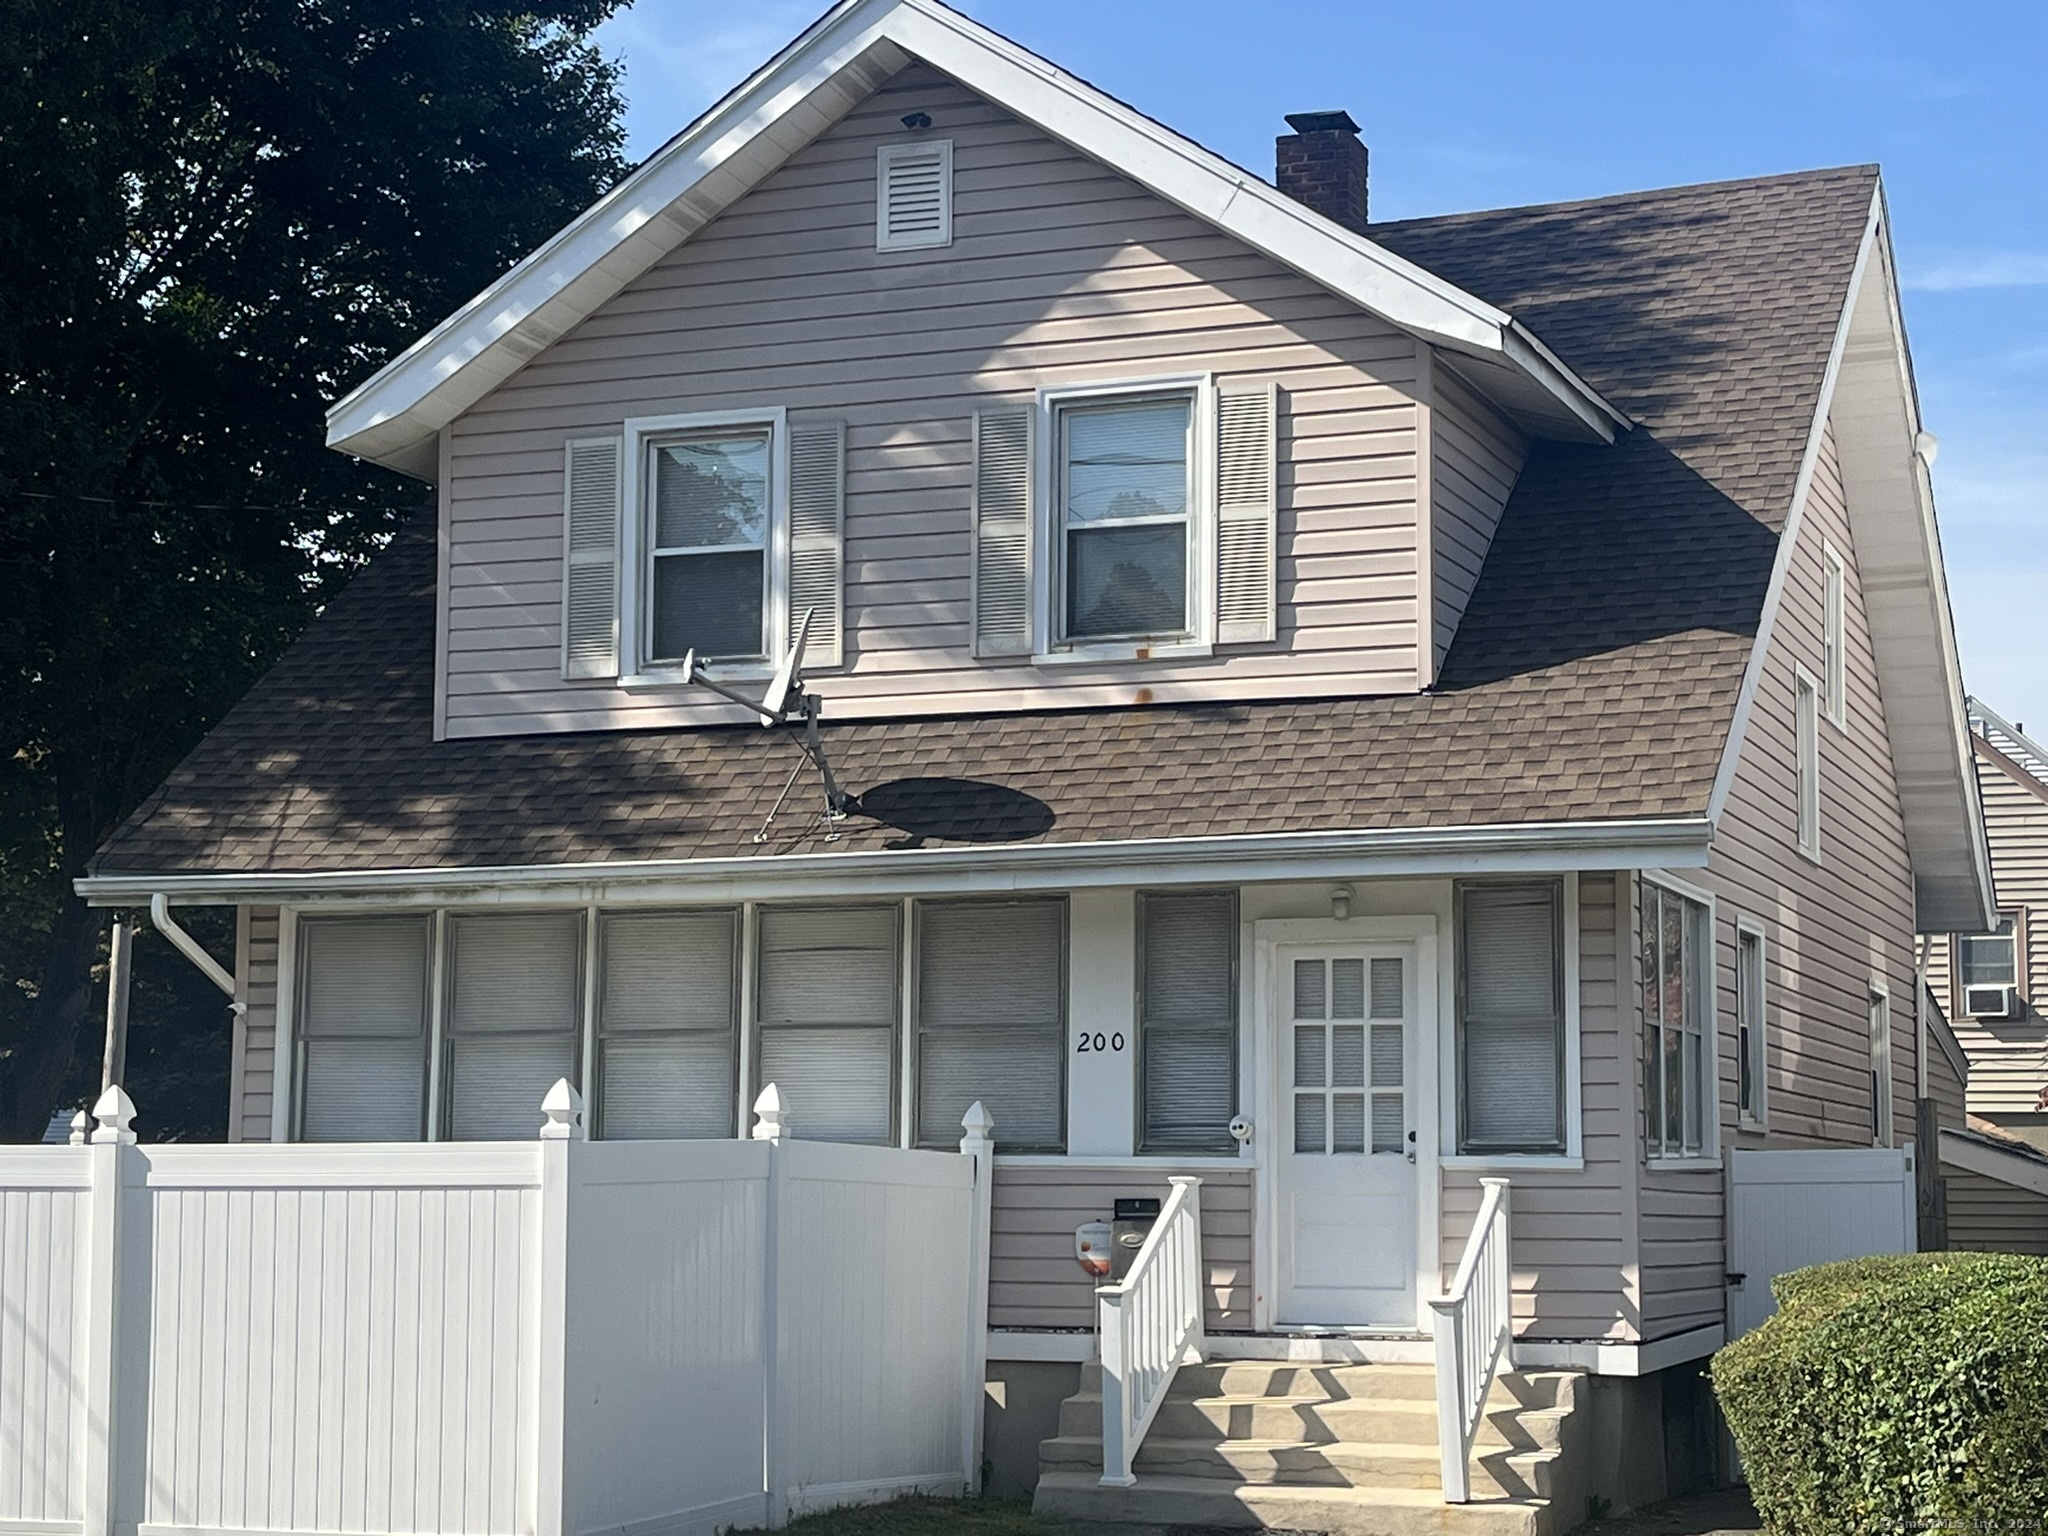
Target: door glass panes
{"points": [[1348, 1072], [667, 1012], [708, 540]]}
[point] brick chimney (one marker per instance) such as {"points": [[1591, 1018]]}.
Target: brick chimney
{"points": [[1322, 164]]}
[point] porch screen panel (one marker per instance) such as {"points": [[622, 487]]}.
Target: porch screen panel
{"points": [[827, 1013], [1511, 1017], [991, 1020], [363, 1028], [668, 1013], [515, 995], [1187, 1034]]}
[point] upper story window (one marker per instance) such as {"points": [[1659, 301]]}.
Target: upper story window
{"points": [[1835, 636], [1125, 476], [1806, 706], [709, 519]]}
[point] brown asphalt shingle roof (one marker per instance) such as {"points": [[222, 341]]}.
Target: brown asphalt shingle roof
{"points": [[1593, 677]]}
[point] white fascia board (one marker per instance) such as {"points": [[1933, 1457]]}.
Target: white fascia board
{"points": [[783, 106], [1973, 1155], [1602, 1358], [1675, 843]]}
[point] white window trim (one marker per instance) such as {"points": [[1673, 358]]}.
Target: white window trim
{"points": [[920, 145], [1882, 1134], [1835, 634], [1761, 1118], [1709, 1154], [1572, 1159], [640, 432], [1809, 846], [1047, 647]]}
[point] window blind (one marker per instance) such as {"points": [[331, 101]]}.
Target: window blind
{"points": [[1511, 1017], [991, 1020], [827, 1014], [1187, 1035], [363, 1028], [515, 996], [667, 1024]]}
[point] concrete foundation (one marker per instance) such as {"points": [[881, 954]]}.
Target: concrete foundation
{"points": [[1021, 1409]]}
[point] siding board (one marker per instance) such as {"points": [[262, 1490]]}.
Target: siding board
{"points": [[1991, 1216], [1476, 458], [1061, 271], [250, 1095]]}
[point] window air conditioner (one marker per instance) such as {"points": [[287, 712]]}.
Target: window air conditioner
{"points": [[1992, 1002]]}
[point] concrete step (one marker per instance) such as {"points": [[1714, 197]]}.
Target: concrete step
{"points": [[1250, 1416], [1338, 1383], [1502, 1473], [1163, 1501]]}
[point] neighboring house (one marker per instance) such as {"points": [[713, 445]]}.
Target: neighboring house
{"points": [[1339, 709], [1990, 982]]}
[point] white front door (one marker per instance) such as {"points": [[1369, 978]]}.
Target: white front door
{"points": [[1345, 1038]]}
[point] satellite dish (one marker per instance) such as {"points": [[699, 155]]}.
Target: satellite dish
{"points": [[774, 705]]}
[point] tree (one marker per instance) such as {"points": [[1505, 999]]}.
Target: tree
{"points": [[215, 217]]}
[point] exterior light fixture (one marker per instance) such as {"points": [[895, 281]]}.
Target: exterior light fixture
{"points": [[1340, 902], [917, 121]]}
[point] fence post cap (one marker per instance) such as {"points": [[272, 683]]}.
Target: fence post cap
{"points": [[562, 1112], [115, 1113], [978, 1123], [79, 1122], [770, 1122]]}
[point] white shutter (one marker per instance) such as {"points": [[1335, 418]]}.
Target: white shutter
{"points": [[590, 557], [991, 1015], [515, 997], [1247, 477], [827, 1011], [1512, 1025], [363, 1028], [1002, 533], [914, 195], [817, 520], [666, 1020], [1188, 1028]]}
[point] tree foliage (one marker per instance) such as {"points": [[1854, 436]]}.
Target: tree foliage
{"points": [[216, 216]]}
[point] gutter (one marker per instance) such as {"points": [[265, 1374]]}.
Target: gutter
{"points": [[1671, 843], [160, 918]]}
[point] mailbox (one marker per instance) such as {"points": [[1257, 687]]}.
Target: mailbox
{"points": [[1133, 1224], [1092, 1247]]}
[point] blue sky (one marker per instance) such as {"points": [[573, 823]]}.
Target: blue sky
{"points": [[1472, 105]]}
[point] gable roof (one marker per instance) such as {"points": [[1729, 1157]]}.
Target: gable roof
{"points": [[1593, 681], [2005, 744], [393, 417]]}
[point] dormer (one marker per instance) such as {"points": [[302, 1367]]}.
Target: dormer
{"points": [[1025, 401]]}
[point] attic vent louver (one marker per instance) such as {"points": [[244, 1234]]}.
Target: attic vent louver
{"points": [[914, 195]]}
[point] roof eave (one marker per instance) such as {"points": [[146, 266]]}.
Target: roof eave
{"points": [[392, 418]]}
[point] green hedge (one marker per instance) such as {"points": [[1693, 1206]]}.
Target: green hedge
{"points": [[1897, 1393]]}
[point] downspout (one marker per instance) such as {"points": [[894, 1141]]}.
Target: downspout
{"points": [[160, 918]]}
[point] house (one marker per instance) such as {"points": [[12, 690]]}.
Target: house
{"points": [[1343, 711]]}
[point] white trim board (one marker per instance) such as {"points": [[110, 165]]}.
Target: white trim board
{"points": [[1605, 1359], [1674, 843], [1975, 1156], [393, 417]]}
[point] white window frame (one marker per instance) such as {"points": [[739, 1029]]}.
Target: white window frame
{"points": [[1835, 635], [1573, 1158], [1807, 694], [887, 153], [1757, 1115], [636, 577], [2017, 917], [1050, 647], [1709, 1153], [1879, 1012]]}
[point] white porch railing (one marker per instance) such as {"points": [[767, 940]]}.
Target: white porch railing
{"points": [[1151, 1324], [1474, 1327]]}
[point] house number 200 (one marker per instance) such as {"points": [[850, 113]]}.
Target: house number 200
{"points": [[1099, 1042]]}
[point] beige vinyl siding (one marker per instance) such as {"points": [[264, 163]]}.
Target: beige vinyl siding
{"points": [[2008, 1062], [1034, 1279], [1061, 271], [1944, 1084], [1476, 456], [1829, 927], [250, 1094], [1574, 1240], [1992, 1216]]}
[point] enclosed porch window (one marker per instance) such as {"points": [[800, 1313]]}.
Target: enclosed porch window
{"points": [[1511, 1017]]}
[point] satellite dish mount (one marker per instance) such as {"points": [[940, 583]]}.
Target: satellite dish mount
{"points": [[787, 702]]}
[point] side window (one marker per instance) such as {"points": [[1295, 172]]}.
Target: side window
{"points": [[1807, 705], [991, 1011], [1678, 1011], [1880, 1067], [362, 1028], [1511, 1017], [1835, 662], [1752, 1042], [1187, 1021]]}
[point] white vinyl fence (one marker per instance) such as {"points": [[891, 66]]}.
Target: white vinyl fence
{"points": [[1788, 1210], [547, 1338]]}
